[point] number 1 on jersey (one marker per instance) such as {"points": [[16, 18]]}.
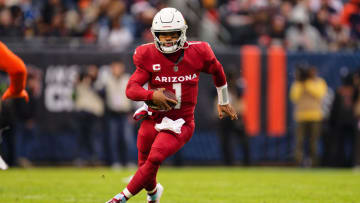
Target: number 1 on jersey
{"points": [[177, 88]]}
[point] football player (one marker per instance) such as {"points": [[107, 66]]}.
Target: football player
{"points": [[15, 67], [174, 64]]}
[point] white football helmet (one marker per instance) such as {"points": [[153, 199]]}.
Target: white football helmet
{"points": [[169, 20]]}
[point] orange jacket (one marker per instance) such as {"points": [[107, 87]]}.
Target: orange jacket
{"points": [[16, 69]]}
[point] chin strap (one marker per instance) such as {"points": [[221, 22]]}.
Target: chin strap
{"points": [[223, 95]]}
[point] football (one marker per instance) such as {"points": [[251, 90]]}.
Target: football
{"points": [[169, 94]]}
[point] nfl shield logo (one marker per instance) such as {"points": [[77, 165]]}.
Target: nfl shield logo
{"points": [[176, 68]]}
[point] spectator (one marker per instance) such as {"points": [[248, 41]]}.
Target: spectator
{"points": [[343, 123], [262, 26], [302, 36], [278, 31], [8, 26], [51, 18], [57, 26], [210, 27], [113, 33], [321, 21], [229, 130], [118, 37], [338, 36], [89, 115], [285, 9], [238, 20], [143, 14], [26, 119], [119, 107], [307, 93]]}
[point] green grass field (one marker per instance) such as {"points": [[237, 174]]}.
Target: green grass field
{"points": [[184, 185]]}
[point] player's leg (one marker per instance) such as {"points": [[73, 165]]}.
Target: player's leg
{"points": [[165, 145], [146, 137]]}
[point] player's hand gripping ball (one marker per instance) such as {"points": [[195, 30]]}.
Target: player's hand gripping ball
{"points": [[158, 104]]}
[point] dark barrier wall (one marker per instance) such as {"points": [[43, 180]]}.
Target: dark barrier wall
{"points": [[56, 109]]}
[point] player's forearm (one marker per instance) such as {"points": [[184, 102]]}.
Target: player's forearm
{"points": [[219, 78], [136, 92], [218, 75], [15, 67]]}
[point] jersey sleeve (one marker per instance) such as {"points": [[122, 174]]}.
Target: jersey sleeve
{"points": [[134, 88], [15, 67], [213, 66]]}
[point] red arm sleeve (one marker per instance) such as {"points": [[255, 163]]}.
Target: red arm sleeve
{"points": [[15, 67], [134, 88], [214, 67]]}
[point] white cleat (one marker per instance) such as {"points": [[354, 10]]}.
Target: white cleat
{"points": [[3, 165], [155, 198]]}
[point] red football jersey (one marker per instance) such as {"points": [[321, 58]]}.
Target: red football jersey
{"points": [[154, 67]]}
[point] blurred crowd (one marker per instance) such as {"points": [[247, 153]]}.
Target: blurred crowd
{"points": [[310, 25], [337, 129]]}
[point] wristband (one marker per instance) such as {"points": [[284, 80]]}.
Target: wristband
{"points": [[223, 95]]}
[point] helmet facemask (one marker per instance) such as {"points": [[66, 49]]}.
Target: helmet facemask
{"points": [[176, 44]]}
